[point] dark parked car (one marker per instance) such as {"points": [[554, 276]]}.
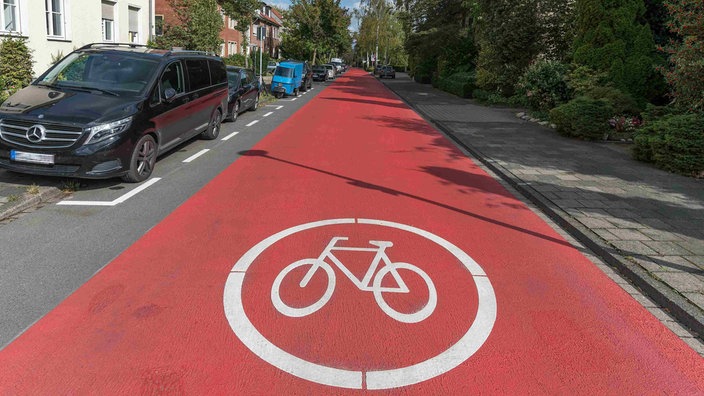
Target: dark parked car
{"points": [[109, 110], [387, 71], [243, 91], [377, 69], [320, 73]]}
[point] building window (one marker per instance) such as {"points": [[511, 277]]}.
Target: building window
{"points": [[158, 25], [232, 23], [108, 11], [55, 18], [133, 16], [9, 16], [222, 50], [231, 48]]}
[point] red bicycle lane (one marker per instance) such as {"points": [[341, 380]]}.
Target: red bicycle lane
{"points": [[425, 276]]}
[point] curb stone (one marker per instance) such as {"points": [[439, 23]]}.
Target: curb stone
{"points": [[28, 201]]}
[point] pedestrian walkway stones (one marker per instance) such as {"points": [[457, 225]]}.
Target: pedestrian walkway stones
{"points": [[639, 219]]}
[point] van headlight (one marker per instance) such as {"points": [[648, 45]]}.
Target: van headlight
{"points": [[101, 132]]}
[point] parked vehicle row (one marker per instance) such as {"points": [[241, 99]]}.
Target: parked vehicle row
{"points": [[109, 110]]}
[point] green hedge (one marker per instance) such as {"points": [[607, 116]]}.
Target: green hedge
{"points": [[674, 143], [583, 118], [460, 84]]}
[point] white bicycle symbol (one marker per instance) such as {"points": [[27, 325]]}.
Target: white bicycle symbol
{"points": [[365, 284]]}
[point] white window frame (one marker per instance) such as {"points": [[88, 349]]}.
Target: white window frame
{"points": [[232, 23], [108, 27], [231, 47], [51, 29], [15, 16]]}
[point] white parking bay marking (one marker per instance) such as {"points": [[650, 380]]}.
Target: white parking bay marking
{"points": [[230, 136], [252, 123], [119, 200], [196, 155], [268, 114]]}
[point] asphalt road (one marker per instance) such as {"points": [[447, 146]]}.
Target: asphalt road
{"points": [[50, 252]]}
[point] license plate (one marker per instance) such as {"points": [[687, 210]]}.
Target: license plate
{"points": [[34, 158], [315, 75]]}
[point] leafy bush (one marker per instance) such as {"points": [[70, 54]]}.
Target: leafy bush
{"points": [[583, 118], [460, 84], [686, 73], [15, 66], [623, 103], [543, 85], [674, 143], [235, 60]]}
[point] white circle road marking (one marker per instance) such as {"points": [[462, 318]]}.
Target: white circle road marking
{"points": [[462, 350]]}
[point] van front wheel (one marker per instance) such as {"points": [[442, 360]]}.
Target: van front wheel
{"points": [[142, 160]]}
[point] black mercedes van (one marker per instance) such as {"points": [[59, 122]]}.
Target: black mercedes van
{"points": [[109, 110]]}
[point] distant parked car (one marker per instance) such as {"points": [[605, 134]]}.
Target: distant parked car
{"points": [[387, 71], [320, 73], [271, 66], [331, 70], [243, 91], [377, 69]]}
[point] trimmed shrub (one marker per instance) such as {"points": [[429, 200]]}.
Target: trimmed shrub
{"points": [[543, 86], [460, 84], [583, 118], [674, 143], [623, 103]]}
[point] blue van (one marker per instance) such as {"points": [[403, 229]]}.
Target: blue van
{"points": [[290, 77]]}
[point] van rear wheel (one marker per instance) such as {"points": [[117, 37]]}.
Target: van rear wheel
{"points": [[213, 129], [142, 160]]}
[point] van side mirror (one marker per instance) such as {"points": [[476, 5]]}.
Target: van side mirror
{"points": [[169, 94]]}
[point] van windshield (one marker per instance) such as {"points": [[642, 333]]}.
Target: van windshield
{"points": [[114, 73], [283, 72]]}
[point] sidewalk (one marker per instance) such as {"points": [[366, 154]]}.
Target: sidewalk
{"points": [[647, 223]]}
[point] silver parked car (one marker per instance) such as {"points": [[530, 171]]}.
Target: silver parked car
{"points": [[332, 72]]}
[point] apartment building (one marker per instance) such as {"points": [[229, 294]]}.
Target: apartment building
{"points": [[266, 18], [56, 27], [269, 21]]}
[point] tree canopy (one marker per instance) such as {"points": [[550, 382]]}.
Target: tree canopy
{"points": [[315, 28]]}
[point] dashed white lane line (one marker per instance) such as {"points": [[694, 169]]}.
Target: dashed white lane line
{"points": [[279, 107], [116, 201], [230, 136], [294, 99], [196, 155], [252, 123], [268, 114]]}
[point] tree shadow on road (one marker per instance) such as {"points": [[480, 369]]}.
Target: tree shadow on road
{"points": [[394, 192]]}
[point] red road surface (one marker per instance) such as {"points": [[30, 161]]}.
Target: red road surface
{"points": [[517, 310]]}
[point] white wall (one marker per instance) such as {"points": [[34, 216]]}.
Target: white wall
{"points": [[82, 25]]}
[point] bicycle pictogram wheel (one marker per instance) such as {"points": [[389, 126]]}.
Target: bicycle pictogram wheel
{"points": [[303, 311], [414, 317]]}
